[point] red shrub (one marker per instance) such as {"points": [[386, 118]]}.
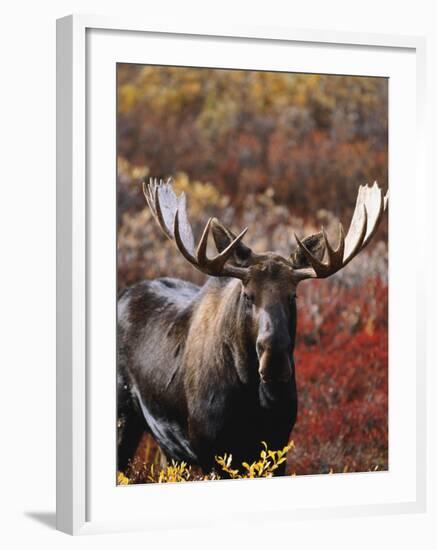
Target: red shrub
{"points": [[342, 376]]}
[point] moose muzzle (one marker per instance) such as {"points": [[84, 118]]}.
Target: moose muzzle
{"points": [[274, 347]]}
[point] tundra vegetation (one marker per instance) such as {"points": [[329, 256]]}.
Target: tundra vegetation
{"points": [[279, 154]]}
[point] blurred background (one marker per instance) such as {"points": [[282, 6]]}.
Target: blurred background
{"points": [[279, 153]]}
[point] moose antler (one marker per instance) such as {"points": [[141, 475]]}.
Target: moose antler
{"points": [[170, 211], [368, 212]]}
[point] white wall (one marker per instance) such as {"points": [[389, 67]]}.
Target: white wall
{"points": [[27, 307]]}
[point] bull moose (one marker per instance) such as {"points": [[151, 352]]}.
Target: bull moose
{"points": [[209, 369]]}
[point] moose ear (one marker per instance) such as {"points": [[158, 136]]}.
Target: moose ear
{"points": [[315, 244], [223, 237]]}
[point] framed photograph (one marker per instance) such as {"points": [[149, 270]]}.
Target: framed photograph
{"points": [[238, 335]]}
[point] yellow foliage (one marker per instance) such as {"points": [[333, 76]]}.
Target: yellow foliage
{"points": [[268, 462], [122, 479], [173, 473], [177, 472]]}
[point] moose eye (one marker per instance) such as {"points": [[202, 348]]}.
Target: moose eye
{"points": [[249, 298]]}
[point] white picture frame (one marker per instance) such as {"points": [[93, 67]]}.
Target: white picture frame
{"points": [[79, 239]]}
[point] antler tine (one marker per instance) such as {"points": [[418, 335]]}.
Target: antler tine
{"points": [[369, 208], [375, 213], [158, 210], [220, 260], [151, 193], [334, 256], [153, 185], [385, 201], [330, 251], [148, 196], [203, 243], [211, 266], [317, 265]]}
